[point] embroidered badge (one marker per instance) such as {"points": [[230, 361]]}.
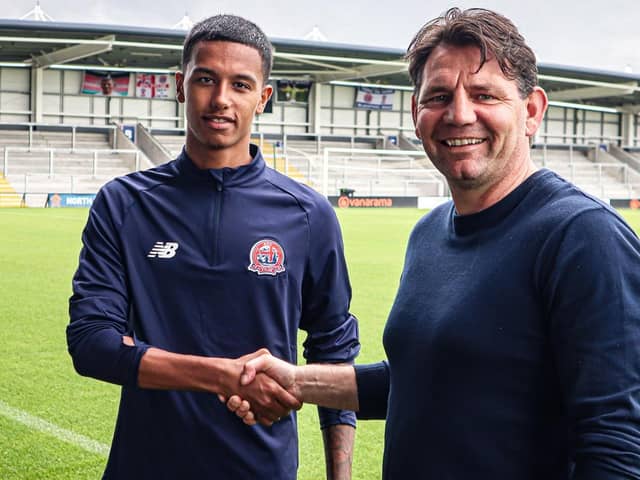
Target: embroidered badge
{"points": [[266, 258]]}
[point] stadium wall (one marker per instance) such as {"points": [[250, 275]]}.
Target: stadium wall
{"points": [[63, 103], [15, 95], [564, 125]]}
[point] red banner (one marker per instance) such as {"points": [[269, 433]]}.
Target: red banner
{"points": [[149, 85]]}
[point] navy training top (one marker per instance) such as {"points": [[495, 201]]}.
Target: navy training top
{"points": [[215, 263], [514, 343]]}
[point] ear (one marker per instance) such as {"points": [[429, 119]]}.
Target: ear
{"points": [[537, 103], [414, 114], [267, 91], [180, 87]]}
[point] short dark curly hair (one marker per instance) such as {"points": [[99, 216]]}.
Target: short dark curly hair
{"points": [[494, 34], [230, 28]]}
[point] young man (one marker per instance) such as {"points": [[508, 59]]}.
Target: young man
{"points": [[205, 259], [514, 338]]}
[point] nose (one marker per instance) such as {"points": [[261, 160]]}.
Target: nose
{"points": [[220, 96], [460, 110]]}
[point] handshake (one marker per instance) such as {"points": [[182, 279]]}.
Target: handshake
{"points": [[258, 387], [270, 388]]}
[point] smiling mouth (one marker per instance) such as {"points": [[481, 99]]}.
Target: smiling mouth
{"points": [[461, 142], [218, 120]]}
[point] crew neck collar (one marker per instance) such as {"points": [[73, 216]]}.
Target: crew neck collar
{"points": [[489, 217]]}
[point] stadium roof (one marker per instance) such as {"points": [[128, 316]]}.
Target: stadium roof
{"points": [[26, 43]]}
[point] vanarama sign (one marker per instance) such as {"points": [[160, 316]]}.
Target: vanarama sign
{"points": [[345, 201], [632, 203]]}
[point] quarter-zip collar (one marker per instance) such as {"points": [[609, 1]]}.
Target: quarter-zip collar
{"points": [[225, 176]]}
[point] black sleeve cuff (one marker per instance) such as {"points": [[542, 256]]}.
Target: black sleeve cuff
{"points": [[373, 390]]}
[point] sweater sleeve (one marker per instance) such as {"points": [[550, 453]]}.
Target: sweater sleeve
{"points": [[373, 390], [332, 332], [98, 308], [592, 294]]}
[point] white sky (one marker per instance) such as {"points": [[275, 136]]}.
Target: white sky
{"points": [[585, 33]]}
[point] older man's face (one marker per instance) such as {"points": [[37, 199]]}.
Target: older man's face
{"points": [[473, 124], [107, 86]]}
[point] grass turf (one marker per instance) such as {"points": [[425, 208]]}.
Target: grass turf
{"points": [[40, 251]]}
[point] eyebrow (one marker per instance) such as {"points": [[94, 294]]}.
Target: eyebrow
{"points": [[431, 89], [484, 86], [436, 88], [240, 76]]}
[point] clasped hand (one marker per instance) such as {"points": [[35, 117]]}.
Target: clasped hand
{"points": [[267, 391]]}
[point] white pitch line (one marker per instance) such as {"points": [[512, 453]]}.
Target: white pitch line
{"points": [[60, 433]]}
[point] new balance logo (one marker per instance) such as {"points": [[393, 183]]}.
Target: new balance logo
{"points": [[163, 250]]}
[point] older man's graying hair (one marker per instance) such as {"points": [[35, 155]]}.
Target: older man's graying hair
{"points": [[495, 35]]}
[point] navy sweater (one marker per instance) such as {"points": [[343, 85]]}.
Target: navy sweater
{"points": [[514, 343], [215, 263]]}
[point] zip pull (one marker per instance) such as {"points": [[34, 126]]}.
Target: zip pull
{"points": [[218, 186]]}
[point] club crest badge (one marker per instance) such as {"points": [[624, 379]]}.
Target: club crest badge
{"points": [[266, 258]]}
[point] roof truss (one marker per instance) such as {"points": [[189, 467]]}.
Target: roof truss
{"points": [[74, 52]]}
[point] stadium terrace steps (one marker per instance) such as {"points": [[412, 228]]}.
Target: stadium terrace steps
{"points": [[605, 177], [8, 196], [372, 174], [317, 147], [66, 163], [173, 143], [274, 157], [53, 138], [50, 163], [43, 184], [595, 171], [388, 187]]}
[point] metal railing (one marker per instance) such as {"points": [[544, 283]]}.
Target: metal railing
{"points": [[601, 175], [51, 152], [113, 117], [72, 129], [310, 161], [42, 183], [571, 147], [318, 138], [348, 156], [578, 139]]}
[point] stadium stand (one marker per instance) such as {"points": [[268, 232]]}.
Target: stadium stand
{"points": [[40, 159], [58, 135], [360, 166], [591, 168]]}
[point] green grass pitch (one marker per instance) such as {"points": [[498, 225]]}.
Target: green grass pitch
{"points": [[41, 395]]}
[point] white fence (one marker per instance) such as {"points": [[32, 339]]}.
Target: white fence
{"points": [[54, 153], [380, 172]]}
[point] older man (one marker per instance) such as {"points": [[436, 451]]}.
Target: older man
{"points": [[514, 340]]}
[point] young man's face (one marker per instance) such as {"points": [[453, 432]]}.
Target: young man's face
{"points": [[223, 88], [473, 124]]}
